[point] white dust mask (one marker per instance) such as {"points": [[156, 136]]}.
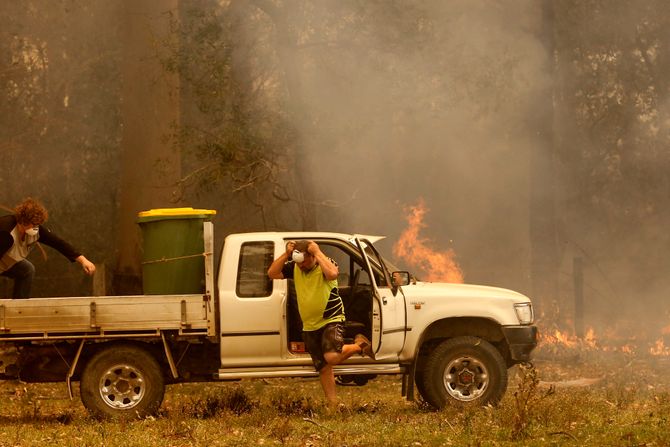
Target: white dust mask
{"points": [[297, 256]]}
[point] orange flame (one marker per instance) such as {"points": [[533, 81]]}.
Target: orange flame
{"points": [[627, 349], [659, 348], [556, 339], [437, 266], [590, 338]]}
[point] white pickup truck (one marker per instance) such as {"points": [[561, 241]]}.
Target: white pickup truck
{"points": [[454, 342]]}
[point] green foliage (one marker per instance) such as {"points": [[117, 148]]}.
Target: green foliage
{"points": [[526, 398], [613, 123], [232, 128], [293, 404], [234, 400]]}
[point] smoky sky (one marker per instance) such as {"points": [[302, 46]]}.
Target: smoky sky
{"points": [[442, 115]]}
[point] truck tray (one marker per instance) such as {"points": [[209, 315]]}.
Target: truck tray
{"points": [[104, 316]]}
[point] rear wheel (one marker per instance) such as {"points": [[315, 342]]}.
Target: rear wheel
{"points": [[123, 382], [463, 370]]}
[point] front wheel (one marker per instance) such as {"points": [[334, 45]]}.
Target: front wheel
{"points": [[122, 381], [464, 370]]}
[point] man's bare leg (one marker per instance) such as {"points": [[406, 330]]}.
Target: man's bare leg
{"points": [[327, 375], [335, 358], [327, 378]]}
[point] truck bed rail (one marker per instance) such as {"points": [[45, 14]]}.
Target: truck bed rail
{"points": [[105, 317]]}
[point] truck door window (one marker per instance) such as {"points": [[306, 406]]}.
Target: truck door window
{"points": [[252, 278], [379, 271], [346, 265]]}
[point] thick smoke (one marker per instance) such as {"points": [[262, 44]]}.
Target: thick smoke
{"points": [[435, 103], [446, 101]]}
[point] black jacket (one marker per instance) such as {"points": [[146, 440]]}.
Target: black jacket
{"points": [[7, 224]]}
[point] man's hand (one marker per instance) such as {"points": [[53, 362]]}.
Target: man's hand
{"points": [[313, 249], [330, 270], [275, 269], [290, 246]]}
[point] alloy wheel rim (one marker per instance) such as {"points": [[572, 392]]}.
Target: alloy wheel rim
{"points": [[466, 378], [122, 387]]}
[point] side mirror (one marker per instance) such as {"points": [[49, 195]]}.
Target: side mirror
{"points": [[400, 278]]}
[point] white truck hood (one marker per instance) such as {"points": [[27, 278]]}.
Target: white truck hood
{"points": [[473, 291], [426, 299]]}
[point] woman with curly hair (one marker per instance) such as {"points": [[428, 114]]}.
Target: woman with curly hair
{"points": [[19, 233]]}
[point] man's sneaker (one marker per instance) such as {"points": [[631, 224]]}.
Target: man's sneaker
{"points": [[365, 345]]}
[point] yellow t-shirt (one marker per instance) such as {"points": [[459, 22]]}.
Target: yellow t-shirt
{"points": [[319, 301]]}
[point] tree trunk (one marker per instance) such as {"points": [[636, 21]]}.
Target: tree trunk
{"points": [[543, 228], [290, 66], [150, 165]]}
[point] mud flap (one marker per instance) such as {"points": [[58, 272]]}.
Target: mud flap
{"points": [[408, 383]]}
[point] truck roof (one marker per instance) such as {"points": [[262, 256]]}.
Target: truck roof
{"points": [[305, 235]]}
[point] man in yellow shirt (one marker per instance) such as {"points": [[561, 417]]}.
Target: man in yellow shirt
{"points": [[321, 309]]}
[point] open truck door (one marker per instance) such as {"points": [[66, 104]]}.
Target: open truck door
{"points": [[388, 306]]}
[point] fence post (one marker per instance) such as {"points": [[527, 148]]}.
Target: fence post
{"points": [[578, 278]]}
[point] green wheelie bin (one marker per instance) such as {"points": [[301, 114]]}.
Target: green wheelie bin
{"points": [[173, 260]]}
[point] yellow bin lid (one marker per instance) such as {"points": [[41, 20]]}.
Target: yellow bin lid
{"points": [[174, 213]]}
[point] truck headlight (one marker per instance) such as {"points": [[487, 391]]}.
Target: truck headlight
{"points": [[524, 312]]}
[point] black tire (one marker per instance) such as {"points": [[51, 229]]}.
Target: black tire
{"points": [[420, 385], [344, 380], [463, 371], [363, 379], [122, 382]]}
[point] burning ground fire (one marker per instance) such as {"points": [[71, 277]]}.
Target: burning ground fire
{"points": [[659, 347], [442, 267], [435, 265], [555, 339]]}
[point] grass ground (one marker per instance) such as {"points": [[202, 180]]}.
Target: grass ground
{"points": [[571, 397]]}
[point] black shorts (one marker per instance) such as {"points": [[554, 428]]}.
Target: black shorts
{"points": [[329, 338]]}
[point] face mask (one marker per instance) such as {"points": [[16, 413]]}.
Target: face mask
{"points": [[32, 231], [297, 256]]}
